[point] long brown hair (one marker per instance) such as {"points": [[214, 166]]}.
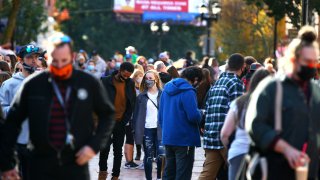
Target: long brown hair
{"points": [[173, 72], [143, 86], [243, 100]]}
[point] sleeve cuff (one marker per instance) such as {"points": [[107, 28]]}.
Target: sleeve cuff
{"points": [[274, 142]]}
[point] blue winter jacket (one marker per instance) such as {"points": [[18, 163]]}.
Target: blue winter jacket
{"points": [[178, 114]]}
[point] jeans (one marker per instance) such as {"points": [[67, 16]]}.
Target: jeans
{"points": [[234, 166], [117, 139], [179, 162], [152, 148]]}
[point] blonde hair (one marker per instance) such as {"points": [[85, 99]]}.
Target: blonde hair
{"points": [[136, 73], [143, 86], [306, 38], [139, 67], [150, 66], [140, 57]]}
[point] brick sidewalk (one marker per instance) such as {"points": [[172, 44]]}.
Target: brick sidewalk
{"points": [[136, 174]]}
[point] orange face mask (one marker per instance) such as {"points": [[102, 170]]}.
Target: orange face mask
{"points": [[61, 73]]}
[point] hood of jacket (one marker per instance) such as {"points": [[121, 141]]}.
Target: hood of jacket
{"points": [[177, 86], [18, 76]]}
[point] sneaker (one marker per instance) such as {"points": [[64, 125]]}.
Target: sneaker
{"points": [[131, 165], [141, 166]]}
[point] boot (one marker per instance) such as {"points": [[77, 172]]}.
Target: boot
{"points": [[103, 175]]}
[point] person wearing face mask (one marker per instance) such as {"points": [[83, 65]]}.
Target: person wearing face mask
{"points": [[129, 144], [29, 58], [59, 104], [80, 61], [128, 148], [121, 91], [297, 142], [145, 122], [179, 119], [111, 67], [91, 69], [221, 94]]}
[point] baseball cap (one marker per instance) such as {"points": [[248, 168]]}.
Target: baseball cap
{"points": [[128, 56], [163, 55], [130, 48], [255, 66], [28, 50]]}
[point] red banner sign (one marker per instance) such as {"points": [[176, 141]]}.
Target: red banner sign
{"points": [[161, 5]]}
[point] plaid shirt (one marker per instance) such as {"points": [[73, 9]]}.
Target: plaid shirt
{"points": [[219, 97]]}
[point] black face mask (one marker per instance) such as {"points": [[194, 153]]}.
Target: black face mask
{"points": [[121, 78], [306, 73], [80, 64], [28, 68]]}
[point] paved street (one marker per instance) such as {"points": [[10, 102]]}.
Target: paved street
{"points": [[137, 174]]}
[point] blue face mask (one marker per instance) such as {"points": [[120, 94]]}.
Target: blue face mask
{"points": [[90, 68], [118, 64]]}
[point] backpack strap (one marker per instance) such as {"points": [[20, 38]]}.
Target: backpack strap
{"points": [[278, 106]]}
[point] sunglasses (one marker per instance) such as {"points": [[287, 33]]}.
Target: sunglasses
{"points": [[32, 48]]}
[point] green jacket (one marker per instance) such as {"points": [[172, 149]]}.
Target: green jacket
{"points": [[300, 120]]}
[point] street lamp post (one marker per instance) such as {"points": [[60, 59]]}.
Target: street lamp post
{"points": [[209, 14], [305, 12], [155, 29]]}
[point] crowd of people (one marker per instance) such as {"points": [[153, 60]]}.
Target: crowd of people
{"points": [[57, 114]]}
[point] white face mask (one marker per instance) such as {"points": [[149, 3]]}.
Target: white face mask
{"points": [[138, 80]]}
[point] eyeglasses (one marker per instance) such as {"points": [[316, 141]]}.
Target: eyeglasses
{"points": [[32, 48], [61, 39]]}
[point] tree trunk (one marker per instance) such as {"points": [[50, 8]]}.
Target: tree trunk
{"points": [[11, 21]]}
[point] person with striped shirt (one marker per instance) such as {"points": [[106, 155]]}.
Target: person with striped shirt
{"points": [[59, 104]]}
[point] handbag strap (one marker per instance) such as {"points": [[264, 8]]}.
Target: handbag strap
{"points": [[152, 102], [278, 106]]}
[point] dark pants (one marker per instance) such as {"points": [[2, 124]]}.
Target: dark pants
{"points": [[152, 148], [129, 135], [24, 161], [179, 163], [117, 139], [50, 169]]}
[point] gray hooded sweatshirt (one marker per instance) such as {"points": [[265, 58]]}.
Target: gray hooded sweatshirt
{"points": [[7, 92]]}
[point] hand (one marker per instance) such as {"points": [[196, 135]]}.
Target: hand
{"points": [[202, 130], [10, 175], [295, 157], [84, 155]]}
